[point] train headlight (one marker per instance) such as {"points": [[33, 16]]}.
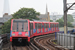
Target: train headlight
{"points": [[26, 34], [13, 34]]}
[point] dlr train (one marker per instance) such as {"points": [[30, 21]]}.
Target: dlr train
{"points": [[22, 29]]}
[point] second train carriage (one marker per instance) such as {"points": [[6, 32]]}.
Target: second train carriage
{"points": [[25, 29]]}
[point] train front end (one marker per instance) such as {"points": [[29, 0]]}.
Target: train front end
{"points": [[19, 30]]}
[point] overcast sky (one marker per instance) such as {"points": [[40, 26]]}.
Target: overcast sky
{"points": [[38, 5]]}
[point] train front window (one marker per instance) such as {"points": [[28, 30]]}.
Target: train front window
{"points": [[20, 25]]}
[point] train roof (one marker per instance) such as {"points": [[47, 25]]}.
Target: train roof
{"points": [[39, 21], [44, 22]]}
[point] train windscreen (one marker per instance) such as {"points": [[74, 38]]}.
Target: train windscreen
{"points": [[20, 26]]}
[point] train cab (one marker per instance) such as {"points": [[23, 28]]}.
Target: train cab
{"points": [[19, 29]]}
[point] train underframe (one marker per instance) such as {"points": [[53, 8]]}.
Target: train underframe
{"points": [[20, 41]]}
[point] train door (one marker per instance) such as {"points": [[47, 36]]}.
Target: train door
{"points": [[51, 27], [41, 28], [55, 27], [31, 29], [44, 27], [48, 27], [36, 27]]}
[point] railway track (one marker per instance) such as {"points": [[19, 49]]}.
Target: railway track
{"points": [[31, 46], [39, 43], [43, 42]]}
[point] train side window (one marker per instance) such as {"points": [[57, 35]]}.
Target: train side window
{"points": [[35, 25], [44, 25], [47, 25], [57, 25], [50, 25], [39, 25], [54, 25], [31, 26]]}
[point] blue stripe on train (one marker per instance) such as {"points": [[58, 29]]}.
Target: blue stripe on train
{"points": [[49, 29], [34, 30], [29, 33], [10, 33]]}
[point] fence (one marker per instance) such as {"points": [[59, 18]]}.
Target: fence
{"points": [[4, 38], [66, 40], [1, 43]]}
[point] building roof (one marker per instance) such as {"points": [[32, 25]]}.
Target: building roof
{"points": [[1, 20], [43, 16], [5, 18]]}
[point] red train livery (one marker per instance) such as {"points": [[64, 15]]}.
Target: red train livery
{"points": [[26, 29]]}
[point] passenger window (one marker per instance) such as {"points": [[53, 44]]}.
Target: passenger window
{"points": [[47, 25], [39, 25], [35, 25], [50, 25]]}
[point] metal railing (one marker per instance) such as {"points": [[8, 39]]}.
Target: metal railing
{"points": [[66, 40]]}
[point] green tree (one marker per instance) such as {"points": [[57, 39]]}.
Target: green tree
{"points": [[24, 13], [69, 18], [69, 24], [61, 22], [51, 20]]}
